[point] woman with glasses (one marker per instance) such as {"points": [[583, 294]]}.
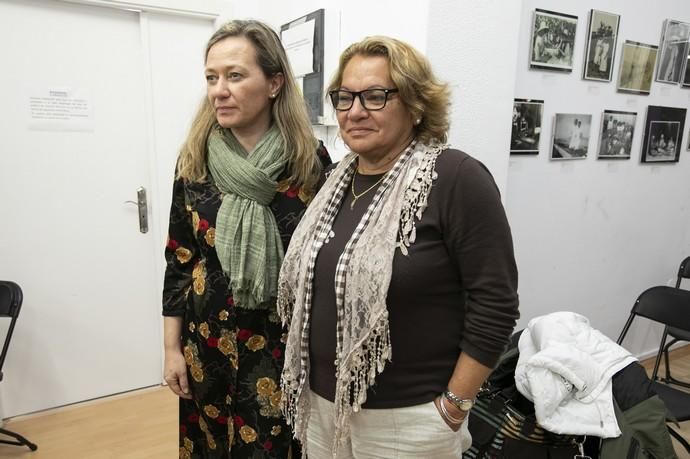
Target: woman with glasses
{"points": [[244, 177], [399, 286]]}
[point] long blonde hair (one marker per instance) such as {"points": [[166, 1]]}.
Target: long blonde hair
{"points": [[427, 98], [288, 111]]}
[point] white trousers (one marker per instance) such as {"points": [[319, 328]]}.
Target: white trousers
{"points": [[412, 432]]}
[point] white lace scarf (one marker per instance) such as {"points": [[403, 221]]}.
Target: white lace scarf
{"points": [[363, 275]]}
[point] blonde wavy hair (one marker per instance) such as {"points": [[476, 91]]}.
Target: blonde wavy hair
{"points": [[426, 98], [288, 111]]}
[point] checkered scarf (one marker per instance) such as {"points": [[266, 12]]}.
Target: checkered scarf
{"points": [[362, 278]]}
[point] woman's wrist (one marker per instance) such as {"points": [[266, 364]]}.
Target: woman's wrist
{"points": [[450, 412]]}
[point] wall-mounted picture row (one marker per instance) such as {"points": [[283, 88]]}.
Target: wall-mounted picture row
{"points": [[552, 47], [663, 133], [553, 40], [602, 34]]}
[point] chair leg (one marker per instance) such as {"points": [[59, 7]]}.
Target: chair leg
{"points": [[669, 379], [21, 441], [679, 438], [667, 365]]}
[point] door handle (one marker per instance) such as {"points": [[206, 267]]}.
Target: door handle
{"points": [[143, 209]]}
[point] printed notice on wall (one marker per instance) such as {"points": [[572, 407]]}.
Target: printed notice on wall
{"points": [[299, 47], [59, 109]]}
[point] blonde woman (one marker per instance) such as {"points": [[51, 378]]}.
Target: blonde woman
{"points": [[244, 176]]}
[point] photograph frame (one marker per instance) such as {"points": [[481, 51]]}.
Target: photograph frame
{"points": [[630, 65], [567, 139], [662, 125], [552, 45], [599, 45], [673, 52], [528, 116], [685, 80], [614, 139]]}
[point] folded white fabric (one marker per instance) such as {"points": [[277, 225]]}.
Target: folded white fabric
{"points": [[565, 368]]}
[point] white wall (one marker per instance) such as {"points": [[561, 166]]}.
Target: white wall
{"points": [[481, 71], [590, 235]]}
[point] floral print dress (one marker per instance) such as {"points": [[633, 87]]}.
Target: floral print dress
{"points": [[234, 355]]}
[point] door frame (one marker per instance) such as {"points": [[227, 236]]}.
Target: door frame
{"points": [[210, 9]]}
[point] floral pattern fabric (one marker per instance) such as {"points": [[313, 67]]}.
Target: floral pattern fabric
{"points": [[234, 356]]}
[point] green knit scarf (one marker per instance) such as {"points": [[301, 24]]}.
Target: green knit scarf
{"points": [[247, 239]]}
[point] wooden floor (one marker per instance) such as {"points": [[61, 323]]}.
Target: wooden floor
{"points": [[138, 425], [143, 425]]}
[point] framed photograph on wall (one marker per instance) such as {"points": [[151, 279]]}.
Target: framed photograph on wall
{"points": [[553, 40], [637, 67], [570, 136], [617, 133], [600, 50], [673, 51], [524, 138], [663, 134]]}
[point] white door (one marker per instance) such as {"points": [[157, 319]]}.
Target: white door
{"points": [[90, 325]]}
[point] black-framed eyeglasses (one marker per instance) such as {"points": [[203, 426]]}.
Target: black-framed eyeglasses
{"points": [[371, 99]]}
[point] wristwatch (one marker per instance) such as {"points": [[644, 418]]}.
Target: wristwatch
{"points": [[463, 404]]}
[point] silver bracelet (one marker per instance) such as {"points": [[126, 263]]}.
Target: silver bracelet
{"points": [[463, 404], [446, 414]]}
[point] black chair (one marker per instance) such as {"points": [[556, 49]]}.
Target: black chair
{"points": [[668, 306], [677, 334], [10, 304]]}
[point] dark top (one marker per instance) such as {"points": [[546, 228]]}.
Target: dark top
{"points": [[457, 289]]}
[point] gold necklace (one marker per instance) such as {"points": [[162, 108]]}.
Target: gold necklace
{"points": [[357, 196]]}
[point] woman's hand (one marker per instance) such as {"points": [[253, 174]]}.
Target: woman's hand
{"points": [[452, 410], [175, 373]]}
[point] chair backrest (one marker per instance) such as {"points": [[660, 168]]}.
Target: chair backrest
{"points": [[683, 271], [11, 298], [666, 305]]}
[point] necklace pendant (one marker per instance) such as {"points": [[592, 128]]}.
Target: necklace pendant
{"points": [[352, 204]]}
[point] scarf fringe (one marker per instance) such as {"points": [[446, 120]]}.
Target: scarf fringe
{"points": [[357, 374], [250, 294], [417, 198]]}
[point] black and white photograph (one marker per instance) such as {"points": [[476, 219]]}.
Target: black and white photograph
{"points": [[637, 67], [553, 40], [617, 133], [602, 34], [686, 73], [571, 136], [673, 51], [663, 134], [524, 138]]}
